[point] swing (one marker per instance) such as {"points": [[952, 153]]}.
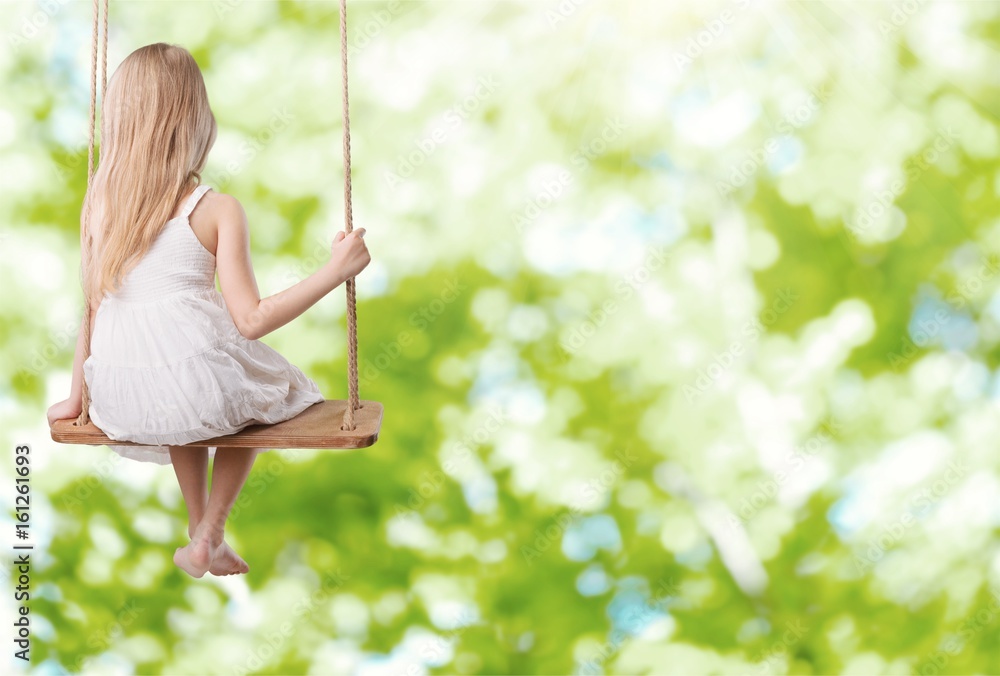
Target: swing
{"points": [[328, 424]]}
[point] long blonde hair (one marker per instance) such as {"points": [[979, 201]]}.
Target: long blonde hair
{"points": [[156, 131]]}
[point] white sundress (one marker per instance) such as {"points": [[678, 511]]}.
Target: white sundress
{"points": [[167, 364]]}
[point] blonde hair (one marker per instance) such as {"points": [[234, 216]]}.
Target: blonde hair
{"points": [[156, 131]]}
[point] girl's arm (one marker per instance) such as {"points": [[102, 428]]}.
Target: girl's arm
{"points": [[70, 408], [253, 316]]}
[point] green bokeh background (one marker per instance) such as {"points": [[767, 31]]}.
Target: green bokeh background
{"points": [[685, 316]]}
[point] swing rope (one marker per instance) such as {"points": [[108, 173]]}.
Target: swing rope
{"points": [[353, 402], [352, 310], [85, 240]]}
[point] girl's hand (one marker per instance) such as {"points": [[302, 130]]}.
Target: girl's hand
{"points": [[64, 409], [349, 255]]}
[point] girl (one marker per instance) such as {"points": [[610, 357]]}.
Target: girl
{"points": [[172, 360]]}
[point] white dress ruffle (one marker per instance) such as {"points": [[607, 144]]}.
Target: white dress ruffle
{"points": [[168, 365]]}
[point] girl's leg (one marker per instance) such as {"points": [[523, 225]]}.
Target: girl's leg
{"points": [[230, 472], [191, 468]]}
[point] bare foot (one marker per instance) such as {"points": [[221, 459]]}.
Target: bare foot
{"points": [[196, 558], [228, 562]]}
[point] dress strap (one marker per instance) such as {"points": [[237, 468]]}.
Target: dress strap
{"points": [[192, 201]]}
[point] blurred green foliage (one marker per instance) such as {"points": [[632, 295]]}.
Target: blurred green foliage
{"points": [[685, 317]]}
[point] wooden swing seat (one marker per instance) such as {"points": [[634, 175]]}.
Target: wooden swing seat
{"points": [[316, 427]]}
